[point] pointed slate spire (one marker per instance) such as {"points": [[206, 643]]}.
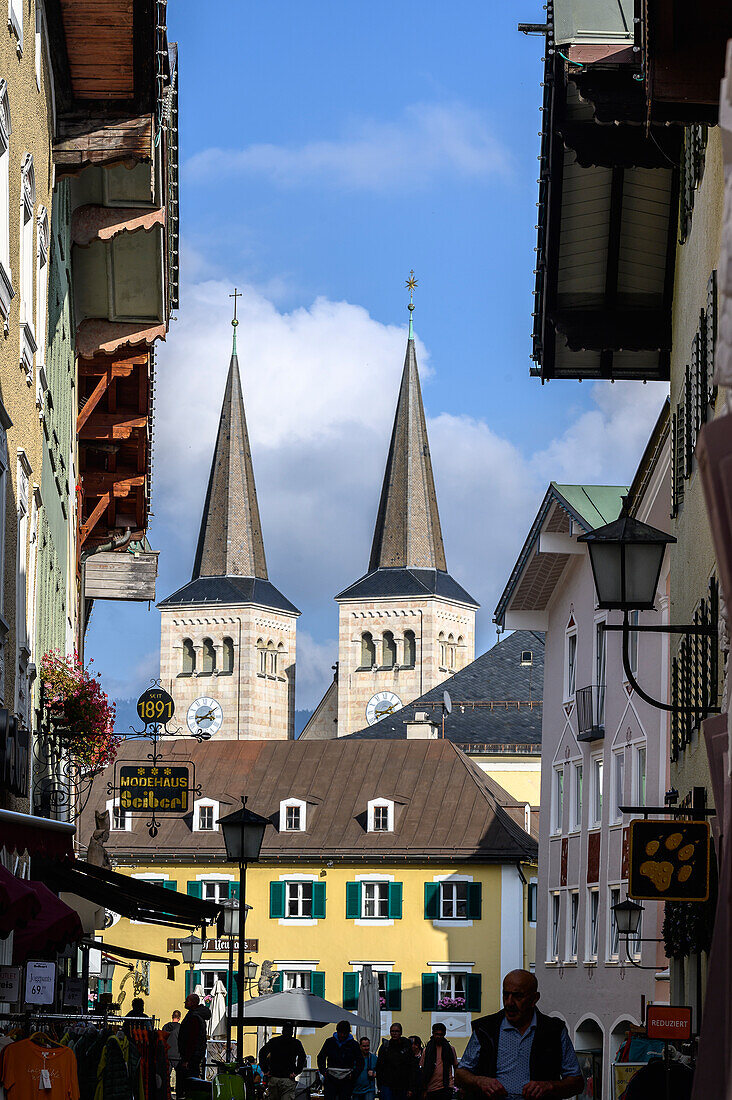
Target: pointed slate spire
{"points": [[408, 533], [230, 541]]}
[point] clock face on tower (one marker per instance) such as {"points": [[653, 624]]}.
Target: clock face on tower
{"points": [[204, 716], [381, 704]]}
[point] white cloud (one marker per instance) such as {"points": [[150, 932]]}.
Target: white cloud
{"points": [[429, 141], [314, 668]]}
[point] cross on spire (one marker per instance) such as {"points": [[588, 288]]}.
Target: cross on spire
{"points": [[235, 295], [411, 285]]}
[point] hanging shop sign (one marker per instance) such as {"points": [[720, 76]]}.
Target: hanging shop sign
{"points": [[669, 1022], [40, 983], [156, 787], [669, 860], [155, 706], [75, 992], [14, 748], [10, 984], [219, 945]]}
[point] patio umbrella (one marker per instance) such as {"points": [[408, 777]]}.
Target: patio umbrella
{"points": [[369, 1006], [298, 1007], [217, 1023]]}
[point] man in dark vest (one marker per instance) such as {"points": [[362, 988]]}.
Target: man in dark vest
{"points": [[519, 1053]]}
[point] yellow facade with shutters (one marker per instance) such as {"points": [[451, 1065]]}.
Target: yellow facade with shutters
{"points": [[421, 959]]}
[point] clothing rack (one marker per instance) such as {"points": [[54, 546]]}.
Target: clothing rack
{"points": [[38, 1016]]}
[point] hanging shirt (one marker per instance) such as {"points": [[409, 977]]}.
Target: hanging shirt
{"points": [[33, 1072]]}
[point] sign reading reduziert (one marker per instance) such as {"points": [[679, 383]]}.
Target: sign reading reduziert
{"points": [[154, 787]]}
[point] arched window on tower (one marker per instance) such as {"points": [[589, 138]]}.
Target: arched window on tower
{"points": [[451, 651], [459, 651], [388, 659], [443, 650], [368, 651], [189, 657], [410, 649], [208, 662], [227, 660], [271, 659]]}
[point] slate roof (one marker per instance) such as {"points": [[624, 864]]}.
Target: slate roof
{"points": [[497, 676], [229, 591], [445, 808], [406, 582]]}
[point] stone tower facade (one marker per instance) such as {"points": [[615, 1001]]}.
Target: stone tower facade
{"points": [[227, 645], [407, 624]]}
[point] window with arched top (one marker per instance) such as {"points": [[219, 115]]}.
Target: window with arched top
{"points": [[271, 656], [227, 656], [27, 264], [442, 649], [368, 650], [6, 279], [388, 659], [410, 649], [208, 661], [189, 656]]}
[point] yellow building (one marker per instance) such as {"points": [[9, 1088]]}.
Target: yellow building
{"points": [[401, 854]]}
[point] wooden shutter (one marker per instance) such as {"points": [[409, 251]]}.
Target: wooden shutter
{"points": [[430, 988], [195, 889], [475, 900], [432, 900], [472, 988], [224, 890], [351, 983], [395, 900], [317, 981], [277, 982], [170, 884], [318, 900], [193, 977], [353, 900], [394, 991], [276, 899], [234, 890]]}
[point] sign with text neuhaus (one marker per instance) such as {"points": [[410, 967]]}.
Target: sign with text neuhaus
{"points": [[669, 861], [670, 1022], [149, 787]]}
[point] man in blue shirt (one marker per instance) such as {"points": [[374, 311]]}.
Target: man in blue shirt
{"points": [[519, 1053]]}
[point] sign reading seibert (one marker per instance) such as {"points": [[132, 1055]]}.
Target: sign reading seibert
{"points": [[669, 861], [154, 787]]}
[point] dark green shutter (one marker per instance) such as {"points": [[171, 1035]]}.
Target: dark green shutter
{"points": [[276, 899], [193, 978], [394, 991], [224, 890], [395, 900], [430, 985], [234, 890], [195, 889], [277, 982], [472, 984], [431, 900], [353, 900], [350, 990], [475, 900], [170, 884], [224, 977], [318, 900], [317, 982]]}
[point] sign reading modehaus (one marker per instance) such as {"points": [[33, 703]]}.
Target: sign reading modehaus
{"points": [[669, 860], [155, 787]]}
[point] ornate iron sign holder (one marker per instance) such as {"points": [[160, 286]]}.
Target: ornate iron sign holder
{"points": [[61, 784]]}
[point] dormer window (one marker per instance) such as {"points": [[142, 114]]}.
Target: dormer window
{"points": [[380, 816], [527, 657], [205, 816], [293, 815], [206, 819]]}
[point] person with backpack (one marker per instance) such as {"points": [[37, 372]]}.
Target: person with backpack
{"points": [[340, 1062]]}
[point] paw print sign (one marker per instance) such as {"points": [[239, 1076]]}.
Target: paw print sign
{"points": [[669, 860]]}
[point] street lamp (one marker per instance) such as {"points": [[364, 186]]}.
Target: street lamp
{"points": [[191, 948], [250, 971], [627, 917], [243, 833], [106, 969]]}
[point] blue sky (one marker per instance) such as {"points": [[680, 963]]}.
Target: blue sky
{"points": [[327, 149]]}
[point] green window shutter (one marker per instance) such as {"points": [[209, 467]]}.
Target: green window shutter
{"points": [[318, 900], [234, 890], [224, 976], [195, 889], [394, 991], [430, 984], [431, 900], [395, 900], [170, 884], [193, 977], [224, 890], [350, 990], [475, 900], [317, 981], [353, 900], [472, 983], [276, 899], [277, 982]]}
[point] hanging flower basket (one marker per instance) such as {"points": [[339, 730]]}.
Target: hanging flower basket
{"points": [[81, 713]]}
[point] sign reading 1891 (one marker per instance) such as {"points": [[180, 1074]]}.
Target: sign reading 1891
{"points": [[155, 706], [155, 787]]}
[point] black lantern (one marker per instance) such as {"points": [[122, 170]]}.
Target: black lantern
{"points": [[626, 557], [230, 918], [243, 835], [106, 970], [250, 970], [191, 948], [627, 917]]}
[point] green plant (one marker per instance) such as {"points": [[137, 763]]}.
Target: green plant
{"points": [[80, 710]]}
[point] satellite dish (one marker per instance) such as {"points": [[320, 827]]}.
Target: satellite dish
{"points": [[447, 702]]}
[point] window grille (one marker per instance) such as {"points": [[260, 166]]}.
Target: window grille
{"points": [[692, 169], [695, 674]]}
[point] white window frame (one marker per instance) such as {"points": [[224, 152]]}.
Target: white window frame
{"points": [[578, 777], [454, 901], [448, 982], [38, 42], [371, 806], [450, 922], [111, 805], [600, 671], [597, 791], [41, 305], [641, 773], [571, 649], [380, 889], [613, 936], [618, 785], [555, 918], [301, 922], [6, 277], [198, 805], [558, 799], [593, 923], [27, 265], [295, 891], [15, 22], [293, 804], [290, 972], [573, 925]]}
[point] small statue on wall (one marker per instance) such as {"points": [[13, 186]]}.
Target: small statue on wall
{"points": [[267, 978], [97, 853]]}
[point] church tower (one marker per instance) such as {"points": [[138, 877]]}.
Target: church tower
{"points": [[227, 646], [407, 624]]}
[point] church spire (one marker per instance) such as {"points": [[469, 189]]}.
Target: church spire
{"points": [[408, 533], [230, 541]]}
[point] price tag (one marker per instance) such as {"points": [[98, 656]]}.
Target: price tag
{"points": [[45, 1082], [10, 984], [40, 983], [74, 990]]}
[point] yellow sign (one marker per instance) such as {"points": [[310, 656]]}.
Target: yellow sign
{"points": [[154, 787], [669, 860]]}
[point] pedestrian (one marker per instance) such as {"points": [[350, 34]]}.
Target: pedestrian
{"points": [[257, 1075], [191, 1042], [417, 1047], [519, 1053], [282, 1059], [340, 1062], [137, 1017], [170, 1031], [397, 1071], [365, 1086], [437, 1064]]}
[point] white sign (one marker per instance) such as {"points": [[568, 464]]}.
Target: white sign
{"points": [[10, 984], [74, 993], [40, 983]]}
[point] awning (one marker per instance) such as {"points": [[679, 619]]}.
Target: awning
{"points": [[132, 898], [54, 927], [127, 953], [19, 903], [40, 836]]}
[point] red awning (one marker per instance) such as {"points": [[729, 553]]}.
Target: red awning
{"points": [[19, 903], [36, 835], [56, 926]]}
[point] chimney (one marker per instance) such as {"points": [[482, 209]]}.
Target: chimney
{"points": [[421, 728]]}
